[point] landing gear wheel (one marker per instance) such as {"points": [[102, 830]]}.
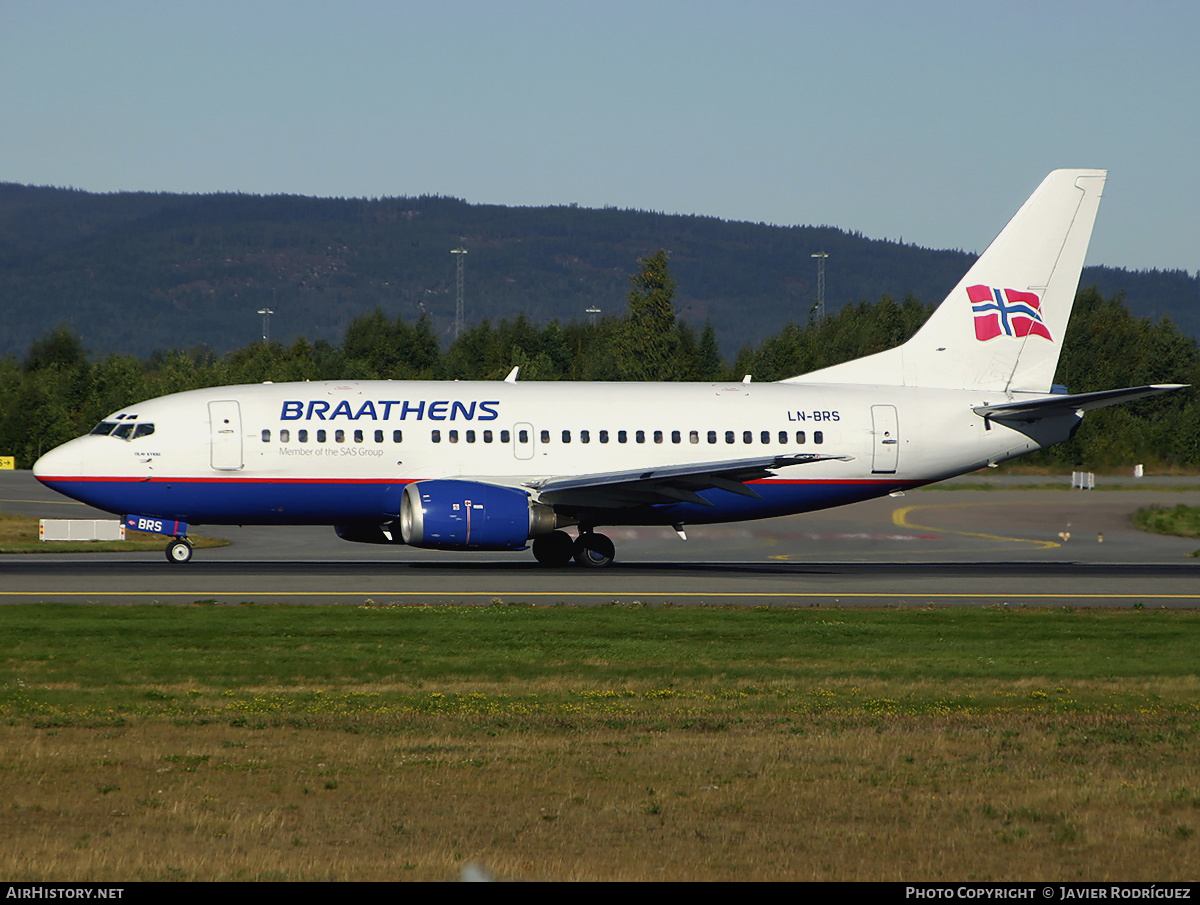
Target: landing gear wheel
{"points": [[179, 550], [594, 550], [553, 549]]}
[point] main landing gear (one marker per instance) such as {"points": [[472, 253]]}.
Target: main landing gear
{"points": [[179, 550], [589, 549]]}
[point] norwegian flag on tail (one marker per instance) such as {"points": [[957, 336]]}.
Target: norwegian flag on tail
{"points": [[1006, 312]]}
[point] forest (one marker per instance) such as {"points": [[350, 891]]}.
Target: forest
{"points": [[58, 390], [137, 273]]}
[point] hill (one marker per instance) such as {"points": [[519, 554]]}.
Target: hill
{"points": [[138, 272]]}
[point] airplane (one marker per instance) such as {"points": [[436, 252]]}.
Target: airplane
{"points": [[504, 465]]}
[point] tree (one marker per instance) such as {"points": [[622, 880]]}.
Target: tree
{"points": [[709, 365], [61, 348], [649, 341]]}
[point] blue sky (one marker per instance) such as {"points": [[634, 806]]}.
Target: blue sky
{"points": [[928, 121]]}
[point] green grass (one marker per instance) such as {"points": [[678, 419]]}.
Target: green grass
{"points": [[285, 742], [58, 653], [1181, 521]]}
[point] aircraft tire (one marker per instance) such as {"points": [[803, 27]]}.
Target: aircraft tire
{"points": [[553, 549], [594, 551], [179, 550]]}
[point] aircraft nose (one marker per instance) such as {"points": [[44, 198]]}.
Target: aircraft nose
{"points": [[61, 462]]}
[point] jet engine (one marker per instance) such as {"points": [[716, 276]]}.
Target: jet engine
{"points": [[469, 515], [369, 533]]}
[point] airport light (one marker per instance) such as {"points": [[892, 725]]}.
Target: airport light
{"points": [[820, 256], [266, 316], [458, 302]]}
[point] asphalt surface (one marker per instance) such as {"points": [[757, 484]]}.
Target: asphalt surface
{"points": [[979, 543]]}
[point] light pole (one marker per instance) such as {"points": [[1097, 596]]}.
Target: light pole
{"points": [[820, 256], [266, 316], [458, 303]]}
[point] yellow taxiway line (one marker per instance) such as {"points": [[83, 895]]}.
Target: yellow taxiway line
{"points": [[900, 519]]}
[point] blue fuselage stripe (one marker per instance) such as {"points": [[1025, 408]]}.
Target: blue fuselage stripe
{"points": [[246, 502]]}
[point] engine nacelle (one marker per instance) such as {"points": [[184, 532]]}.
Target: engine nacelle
{"points": [[469, 515], [366, 533]]}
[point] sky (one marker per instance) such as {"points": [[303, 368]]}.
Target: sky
{"points": [[926, 121]]}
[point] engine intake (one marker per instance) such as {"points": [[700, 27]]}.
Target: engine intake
{"points": [[469, 515]]}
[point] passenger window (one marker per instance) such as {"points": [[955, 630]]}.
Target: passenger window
{"points": [[799, 436], [676, 437], [766, 437], [729, 438], [321, 436], [487, 436], [818, 436], [397, 436], [470, 436], [378, 436], [453, 436], [585, 436], [603, 436], [640, 436], [522, 436], [747, 436], [622, 437], [712, 436], [566, 435], [266, 436], [436, 436], [658, 436], [693, 436], [339, 436], [284, 435], [358, 436], [545, 438], [783, 436], [302, 435]]}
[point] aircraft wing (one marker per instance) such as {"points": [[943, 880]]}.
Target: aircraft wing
{"points": [[1066, 404], [667, 484]]}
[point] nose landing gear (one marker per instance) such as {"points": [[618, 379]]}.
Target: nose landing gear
{"points": [[179, 550]]}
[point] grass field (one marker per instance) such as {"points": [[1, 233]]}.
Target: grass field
{"points": [[1181, 521], [379, 743]]}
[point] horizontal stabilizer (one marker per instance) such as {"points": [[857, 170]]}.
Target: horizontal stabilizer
{"points": [[1066, 404]]}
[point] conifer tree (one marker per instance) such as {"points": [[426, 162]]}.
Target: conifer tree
{"points": [[649, 341]]}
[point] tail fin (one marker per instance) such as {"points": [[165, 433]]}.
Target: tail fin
{"points": [[1002, 326]]}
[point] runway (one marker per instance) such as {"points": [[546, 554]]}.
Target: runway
{"points": [[960, 546]]}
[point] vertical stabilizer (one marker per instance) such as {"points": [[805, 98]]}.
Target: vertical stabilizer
{"points": [[1002, 326]]}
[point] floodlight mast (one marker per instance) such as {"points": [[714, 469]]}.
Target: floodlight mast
{"points": [[458, 302], [266, 316], [820, 256]]}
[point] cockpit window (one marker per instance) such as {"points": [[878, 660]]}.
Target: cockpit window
{"points": [[126, 430]]}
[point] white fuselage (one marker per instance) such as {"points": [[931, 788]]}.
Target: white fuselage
{"points": [[336, 452]]}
